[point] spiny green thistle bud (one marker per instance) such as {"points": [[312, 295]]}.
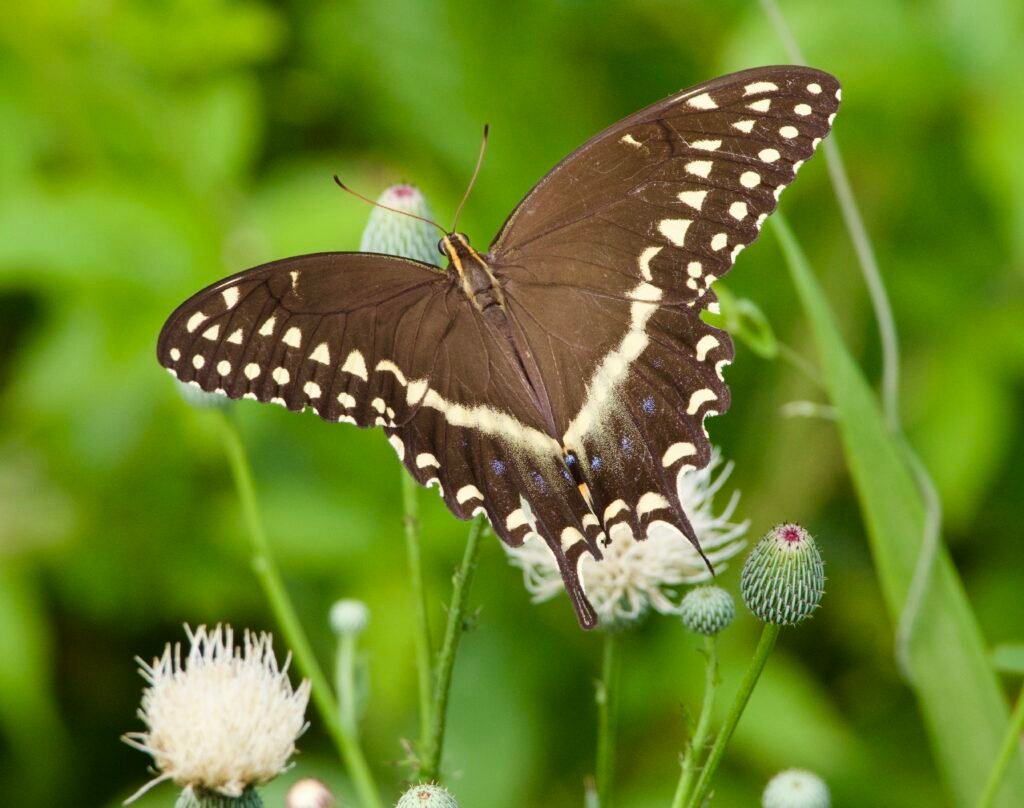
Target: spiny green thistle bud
{"points": [[393, 234], [427, 795], [783, 578], [201, 798], [349, 616], [707, 609], [796, 788]]}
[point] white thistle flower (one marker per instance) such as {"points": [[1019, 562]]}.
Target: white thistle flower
{"points": [[636, 576], [222, 720]]}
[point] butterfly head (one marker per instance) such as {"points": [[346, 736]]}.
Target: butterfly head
{"points": [[456, 248]]}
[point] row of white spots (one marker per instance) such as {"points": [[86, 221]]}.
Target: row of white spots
{"points": [[651, 501], [674, 230], [645, 261], [760, 87], [706, 145], [676, 452], [699, 398], [699, 168], [706, 344], [695, 199], [630, 141]]}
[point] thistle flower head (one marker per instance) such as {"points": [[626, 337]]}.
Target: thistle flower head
{"points": [[223, 718], [707, 610], [783, 578], [427, 795], [393, 234], [349, 616], [635, 577], [796, 788]]}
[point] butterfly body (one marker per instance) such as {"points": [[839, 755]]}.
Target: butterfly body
{"points": [[559, 381]]}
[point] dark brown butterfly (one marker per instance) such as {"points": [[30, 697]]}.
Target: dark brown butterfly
{"points": [[558, 382]]}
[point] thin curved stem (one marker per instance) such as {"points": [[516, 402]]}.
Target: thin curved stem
{"points": [[421, 638], [700, 734], [932, 533], [284, 612], [430, 754], [607, 703], [1011, 745], [764, 647]]}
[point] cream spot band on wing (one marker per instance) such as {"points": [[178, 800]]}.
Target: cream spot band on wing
{"points": [[704, 345], [399, 447], [468, 492], [612, 370], [195, 321], [651, 501], [676, 452], [292, 337], [674, 230], [760, 87], [695, 199], [702, 101], [321, 353], [425, 459], [356, 365], [699, 398], [230, 296], [645, 261], [699, 168], [212, 332], [386, 365]]}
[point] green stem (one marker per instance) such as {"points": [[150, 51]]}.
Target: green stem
{"points": [[1010, 746], [345, 682], [430, 753], [700, 734], [284, 612], [607, 700], [739, 703], [421, 638]]}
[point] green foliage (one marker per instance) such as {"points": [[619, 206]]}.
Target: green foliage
{"points": [[150, 148]]}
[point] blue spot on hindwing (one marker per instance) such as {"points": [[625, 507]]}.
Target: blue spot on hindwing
{"points": [[595, 462], [498, 466], [648, 405]]}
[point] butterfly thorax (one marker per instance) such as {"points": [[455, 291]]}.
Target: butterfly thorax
{"points": [[475, 276]]}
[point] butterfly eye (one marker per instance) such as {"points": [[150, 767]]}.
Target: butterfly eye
{"points": [[440, 247]]}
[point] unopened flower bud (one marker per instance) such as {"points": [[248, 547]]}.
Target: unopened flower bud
{"points": [[427, 795], [349, 616], [796, 788], [783, 578], [309, 793], [707, 609], [394, 234]]}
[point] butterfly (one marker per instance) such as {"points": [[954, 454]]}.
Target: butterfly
{"points": [[559, 381]]}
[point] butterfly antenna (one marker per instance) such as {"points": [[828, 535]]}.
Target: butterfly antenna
{"points": [[472, 180], [358, 195]]}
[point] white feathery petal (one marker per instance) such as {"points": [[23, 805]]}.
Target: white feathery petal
{"points": [[636, 576], [225, 717]]}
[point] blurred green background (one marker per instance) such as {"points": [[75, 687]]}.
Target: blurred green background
{"points": [[149, 147]]}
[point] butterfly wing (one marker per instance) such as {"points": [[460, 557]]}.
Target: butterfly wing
{"points": [[607, 264], [381, 341], [330, 331]]}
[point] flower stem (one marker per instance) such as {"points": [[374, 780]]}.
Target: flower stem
{"points": [[764, 647], [1010, 746], [284, 612], [421, 639], [430, 753], [607, 702], [345, 682], [700, 734]]}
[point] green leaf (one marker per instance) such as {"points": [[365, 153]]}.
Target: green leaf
{"points": [[1009, 658], [956, 688], [745, 321]]}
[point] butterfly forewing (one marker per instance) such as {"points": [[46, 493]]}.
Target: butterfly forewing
{"points": [[336, 332], [609, 260]]}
